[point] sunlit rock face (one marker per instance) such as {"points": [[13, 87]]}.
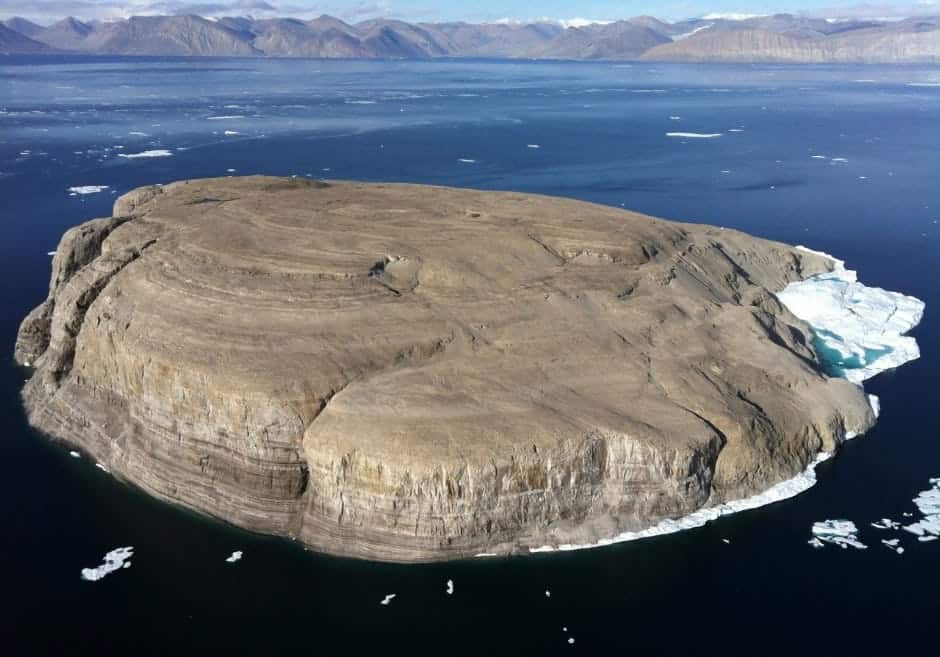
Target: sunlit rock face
{"points": [[411, 373]]}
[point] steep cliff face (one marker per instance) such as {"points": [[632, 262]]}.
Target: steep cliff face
{"points": [[411, 373]]}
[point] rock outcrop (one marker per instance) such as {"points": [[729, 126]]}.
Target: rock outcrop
{"points": [[410, 373]]}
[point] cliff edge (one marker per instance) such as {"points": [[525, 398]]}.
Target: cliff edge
{"points": [[411, 373]]}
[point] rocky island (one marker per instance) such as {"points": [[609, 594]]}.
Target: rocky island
{"points": [[411, 373]]}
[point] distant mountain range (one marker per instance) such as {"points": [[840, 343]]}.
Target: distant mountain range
{"points": [[779, 38]]}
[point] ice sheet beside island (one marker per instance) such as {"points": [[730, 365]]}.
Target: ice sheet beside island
{"points": [[859, 333], [859, 329]]}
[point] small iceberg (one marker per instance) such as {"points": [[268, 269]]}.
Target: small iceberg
{"points": [[694, 135], [928, 503], [859, 330], [114, 560], [74, 454], [160, 152], [466, 160], [387, 599], [235, 556], [450, 587], [87, 189], [231, 132], [227, 117], [533, 146], [886, 523], [842, 533]]}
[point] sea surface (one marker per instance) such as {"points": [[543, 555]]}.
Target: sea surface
{"points": [[592, 131]]}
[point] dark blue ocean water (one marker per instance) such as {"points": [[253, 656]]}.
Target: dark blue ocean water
{"points": [[601, 131]]}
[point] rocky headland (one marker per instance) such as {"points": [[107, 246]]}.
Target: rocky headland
{"points": [[411, 373]]}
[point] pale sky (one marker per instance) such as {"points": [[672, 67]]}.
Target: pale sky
{"points": [[478, 11]]}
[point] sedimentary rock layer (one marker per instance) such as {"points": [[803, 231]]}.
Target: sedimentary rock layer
{"points": [[412, 373]]}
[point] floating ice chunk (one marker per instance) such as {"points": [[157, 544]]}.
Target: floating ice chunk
{"points": [[548, 593], [859, 330], [816, 543], [235, 556], [360, 102], [736, 130], [114, 560], [875, 404], [570, 640], [74, 454], [891, 542], [923, 84], [160, 152], [230, 170], [694, 135], [726, 541], [387, 599], [50, 253], [227, 117], [927, 539], [232, 132], [88, 189], [450, 587], [839, 159], [818, 157], [928, 503], [886, 523], [843, 533], [675, 118], [533, 146], [101, 467], [466, 160], [138, 133]]}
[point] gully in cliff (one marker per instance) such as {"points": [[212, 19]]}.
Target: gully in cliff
{"points": [[411, 373]]}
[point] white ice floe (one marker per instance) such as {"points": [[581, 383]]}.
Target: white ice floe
{"points": [[859, 329], [74, 454], [160, 152], [928, 503], [782, 491], [466, 160], [101, 467], [232, 132], [114, 560], [548, 593], [893, 544], [138, 133], [923, 84], [533, 146], [694, 135], [843, 533], [360, 102], [736, 130], [570, 640], [87, 189], [839, 159], [818, 157], [886, 523], [387, 599], [227, 117], [450, 587], [675, 118], [235, 556]]}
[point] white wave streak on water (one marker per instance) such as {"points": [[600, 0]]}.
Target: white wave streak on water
{"points": [[864, 325], [160, 152], [114, 560], [694, 135], [227, 117]]}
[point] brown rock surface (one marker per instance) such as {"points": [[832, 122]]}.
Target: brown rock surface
{"points": [[409, 373]]}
